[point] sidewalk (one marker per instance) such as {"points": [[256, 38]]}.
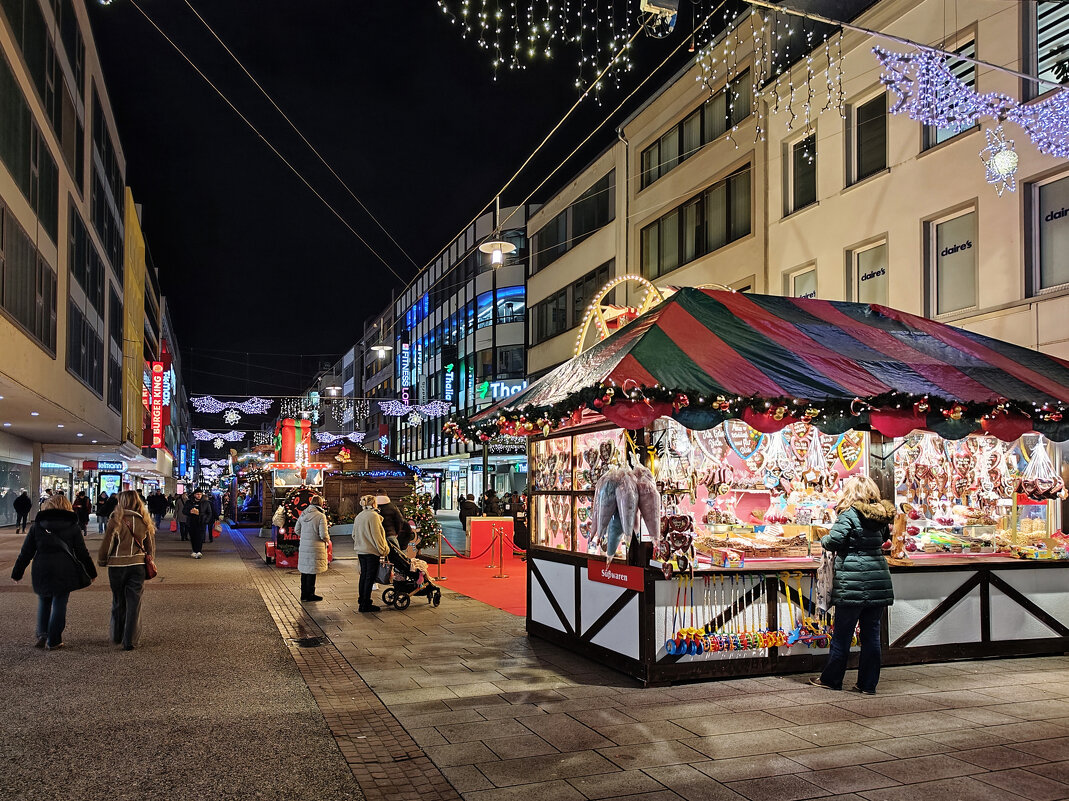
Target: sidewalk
{"points": [[458, 702]]}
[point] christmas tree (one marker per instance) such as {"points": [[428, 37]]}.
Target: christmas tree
{"points": [[418, 509]]}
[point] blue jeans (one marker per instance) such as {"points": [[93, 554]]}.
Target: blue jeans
{"points": [[157, 520], [868, 668], [52, 617]]}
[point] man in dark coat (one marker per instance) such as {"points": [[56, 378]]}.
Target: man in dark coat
{"points": [[61, 565], [468, 508], [22, 505], [199, 510], [491, 503], [157, 507], [83, 508], [392, 519]]}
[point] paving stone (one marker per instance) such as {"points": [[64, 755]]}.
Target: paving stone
{"points": [[600, 718], [707, 725], [725, 746], [466, 778], [613, 785], [1047, 709], [914, 723], [1032, 730], [966, 739], [983, 715], [1058, 771], [427, 736], [1054, 749], [693, 784], [631, 733], [814, 713], [648, 755], [838, 756], [998, 757], [516, 711], [566, 733], [542, 791], [924, 769], [849, 779], [962, 788], [545, 768], [482, 730], [450, 718], [835, 733], [475, 753], [1026, 784], [906, 747], [522, 746], [777, 788], [749, 767]]}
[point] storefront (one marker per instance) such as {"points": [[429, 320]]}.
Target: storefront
{"points": [[713, 437], [14, 478], [56, 478]]}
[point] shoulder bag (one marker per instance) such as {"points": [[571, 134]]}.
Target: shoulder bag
{"points": [[84, 579], [150, 563]]}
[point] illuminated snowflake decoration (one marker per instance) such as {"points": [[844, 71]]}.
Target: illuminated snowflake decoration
{"points": [[232, 417], [218, 442], [1001, 161], [415, 418]]}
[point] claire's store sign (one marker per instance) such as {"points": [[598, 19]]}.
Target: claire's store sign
{"points": [[619, 575]]}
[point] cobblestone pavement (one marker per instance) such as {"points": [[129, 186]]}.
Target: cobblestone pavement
{"points": [[507, 717]]}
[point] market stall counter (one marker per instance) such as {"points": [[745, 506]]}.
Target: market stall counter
{"points": [[684, 469]]}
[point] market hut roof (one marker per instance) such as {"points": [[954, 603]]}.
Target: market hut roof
{"points": [[708, 343]]}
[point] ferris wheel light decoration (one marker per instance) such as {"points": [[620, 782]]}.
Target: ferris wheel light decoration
{"points": [[595, 315]]}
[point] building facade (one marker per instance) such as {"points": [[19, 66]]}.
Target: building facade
{"points": [[67, 379]]}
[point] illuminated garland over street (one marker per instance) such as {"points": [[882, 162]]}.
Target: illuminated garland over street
{"points": [[327, 438], [395, 408], [206, 404], [202, 435]]}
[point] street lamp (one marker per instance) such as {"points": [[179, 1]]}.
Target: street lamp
{"points": [[497, 248], [381, 349]]}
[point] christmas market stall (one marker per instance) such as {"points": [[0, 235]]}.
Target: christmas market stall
{"points": [[684, 468], [355, 471]]}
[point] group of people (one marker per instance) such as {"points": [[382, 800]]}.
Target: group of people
{"points": [[61, 564]]}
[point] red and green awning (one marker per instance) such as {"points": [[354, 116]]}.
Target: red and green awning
{"points": [[810, 359]]}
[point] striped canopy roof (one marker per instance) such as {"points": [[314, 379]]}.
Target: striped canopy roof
{"points": [[726, 343]]}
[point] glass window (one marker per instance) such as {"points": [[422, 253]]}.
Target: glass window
{"points": [[1052, 220], [669, 242], [510, 304], [870, 274], [651, 160], [692, 134], [669, 151], [739, 200], [804, 172], [510, 362], [742, 98], [485, 311], [965, 71], [1052, 41], [871, 137], [716, 217], [651, 255], [803, 284], [692, 230], [954, 263]]}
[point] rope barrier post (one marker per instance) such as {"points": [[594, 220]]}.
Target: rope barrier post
{"points": [[438, 568], [493, 533], [501, 551]]}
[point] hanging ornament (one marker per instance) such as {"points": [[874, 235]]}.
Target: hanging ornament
{"points": [[231, 417], [218, 443], [1001, 161], [206, 404], [414, 418]]}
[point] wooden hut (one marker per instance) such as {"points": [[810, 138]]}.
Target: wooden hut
{"points": [[365, 473]]}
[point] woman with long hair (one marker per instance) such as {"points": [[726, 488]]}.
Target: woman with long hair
{"points": [[128, 539], [862, 587], [61, 565]]}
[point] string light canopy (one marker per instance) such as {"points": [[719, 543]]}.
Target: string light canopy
{"points": [[202, 435], [206, 404], [394, 408], [326, 438]]}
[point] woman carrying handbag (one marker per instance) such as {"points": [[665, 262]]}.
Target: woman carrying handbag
{"points": [[61, 565], [128, 550], [369, 541]]}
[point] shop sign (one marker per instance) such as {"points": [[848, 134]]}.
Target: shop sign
{"points": [[182, 447], [105, 467], [405, 359], [619, 575], [155, 408], [497, 390], [449, 382]]}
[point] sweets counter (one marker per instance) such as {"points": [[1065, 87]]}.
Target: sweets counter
{"points": [[760, 618]]}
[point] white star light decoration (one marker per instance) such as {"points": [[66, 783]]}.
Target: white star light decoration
{"points": [[232, 417], [1001, 161], [218, 442]]}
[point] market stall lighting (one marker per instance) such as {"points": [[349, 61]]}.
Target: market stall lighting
{"points": [[498, 249]]}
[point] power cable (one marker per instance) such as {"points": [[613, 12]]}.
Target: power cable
{"points": [[265, 140], [299, 133]]}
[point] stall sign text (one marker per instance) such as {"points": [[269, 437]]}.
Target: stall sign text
{"points": [[629, 576]]}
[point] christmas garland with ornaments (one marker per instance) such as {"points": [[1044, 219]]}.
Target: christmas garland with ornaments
{"points": [[894, 414]]}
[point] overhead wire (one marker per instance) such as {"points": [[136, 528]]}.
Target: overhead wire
{"points": [[265, 140], [299, 133]]}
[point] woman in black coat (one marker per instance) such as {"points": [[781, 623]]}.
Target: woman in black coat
{"points": [[61, 565]]}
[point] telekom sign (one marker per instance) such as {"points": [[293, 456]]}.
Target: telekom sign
{"points": [[155, 408]]}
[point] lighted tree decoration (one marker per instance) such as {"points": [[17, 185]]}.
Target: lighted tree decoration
{"points": [[420, 511]]}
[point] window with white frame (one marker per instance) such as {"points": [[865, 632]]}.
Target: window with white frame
{"points": [[802, 283], [1051, 260], [802, 167], [1050, 42], [868, 273], [965, 71], [952, 261], [869, 121]]}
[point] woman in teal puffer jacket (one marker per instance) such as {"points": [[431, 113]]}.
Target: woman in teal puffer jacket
{"points": [[862, 588]]}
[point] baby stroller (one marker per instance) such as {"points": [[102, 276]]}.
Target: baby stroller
{"points": [[409, 578]]}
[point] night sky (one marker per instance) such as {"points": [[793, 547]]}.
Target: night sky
{"points": [[403, 108]]}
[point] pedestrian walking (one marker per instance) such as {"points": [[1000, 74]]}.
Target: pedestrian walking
{"points": [[369, 541], [862, 586], [129, 538], [314, 532], [157, 507], [181, 504], [61, 565], [199, 512], [436, 502], [82, 507], [22, 506], [102, 511], [468, 508]]}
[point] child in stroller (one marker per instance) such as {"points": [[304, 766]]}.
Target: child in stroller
{"points": [[409, 578]]}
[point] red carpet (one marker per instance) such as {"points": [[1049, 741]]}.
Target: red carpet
{"points": [[473, 578]]}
